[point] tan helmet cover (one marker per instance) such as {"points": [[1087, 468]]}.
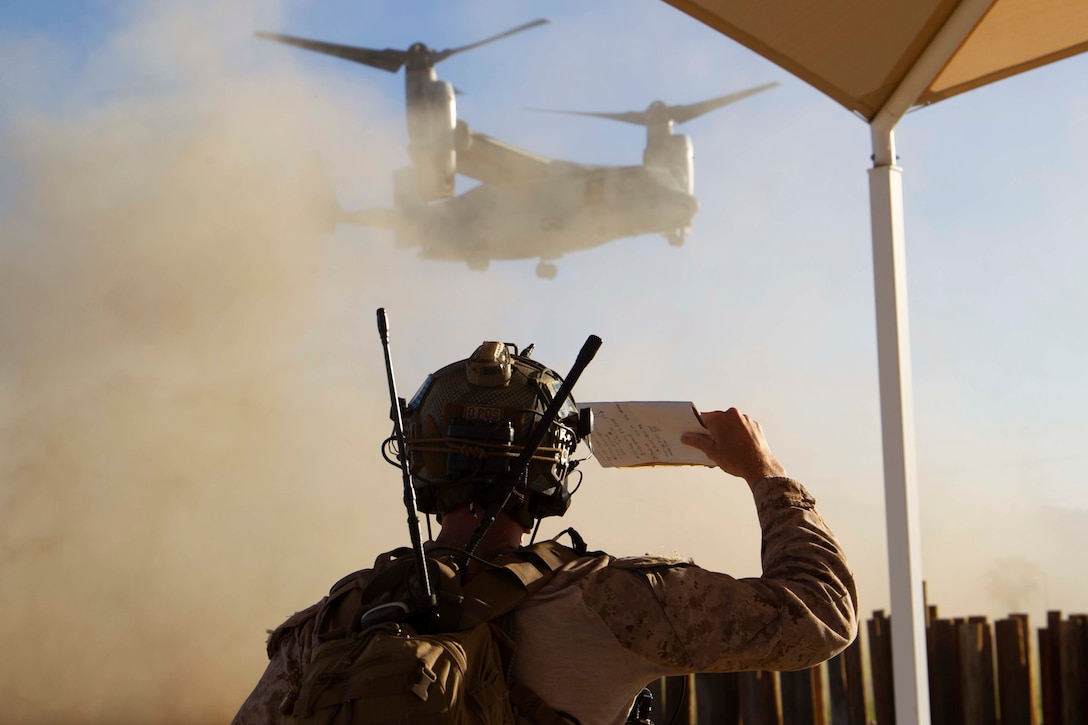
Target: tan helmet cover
{"points": [[467, 425]]}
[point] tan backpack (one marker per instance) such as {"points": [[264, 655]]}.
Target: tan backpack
{"points": [[370, 665]]}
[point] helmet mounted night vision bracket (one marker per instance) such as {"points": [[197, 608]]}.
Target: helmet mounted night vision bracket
{"points": [[489, 366]]}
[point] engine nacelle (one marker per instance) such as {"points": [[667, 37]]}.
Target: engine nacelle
{"points": [[432, 116], [676, 155]]}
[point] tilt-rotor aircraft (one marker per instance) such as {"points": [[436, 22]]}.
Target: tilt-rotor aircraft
{"points": [[526, 206]]}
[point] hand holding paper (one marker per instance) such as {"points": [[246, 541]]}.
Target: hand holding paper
{"points": [[640, 433], [736, 443]]}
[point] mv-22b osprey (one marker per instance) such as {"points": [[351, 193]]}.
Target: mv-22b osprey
{"points": [[526, 206]]}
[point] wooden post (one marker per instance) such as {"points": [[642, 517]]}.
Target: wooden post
{"points": [[945, 697], [759, 699], [989, 681], [836, 687], [970, 674], [846, 686], [880, 660], [1074, 672], [717, 699], [771, 698], [690, 712], [936, 686], [1014, 671], [676, 705], [819, 709], [855, 683], [802, 697], [1082, 661], [1050, 664], [976, 672], [748, 686]]}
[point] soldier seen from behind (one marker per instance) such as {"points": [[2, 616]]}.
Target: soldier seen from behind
{"points": [[545, 633]]}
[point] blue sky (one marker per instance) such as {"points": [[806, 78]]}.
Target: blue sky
{"points": [[768, 306]]}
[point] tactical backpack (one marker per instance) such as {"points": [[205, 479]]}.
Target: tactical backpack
{"points": [[371, 665]]}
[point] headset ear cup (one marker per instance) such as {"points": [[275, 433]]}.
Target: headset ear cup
{"points": [[554, 504], [585, 423]]}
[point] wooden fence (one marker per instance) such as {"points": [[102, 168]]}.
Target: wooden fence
{"points": [[979, 674]]}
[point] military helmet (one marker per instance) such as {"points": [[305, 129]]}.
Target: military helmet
{"points": [[466, 426]]}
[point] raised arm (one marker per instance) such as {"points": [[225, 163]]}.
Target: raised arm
{"points": [[683, 618]]}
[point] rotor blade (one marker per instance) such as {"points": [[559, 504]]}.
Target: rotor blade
{"points": [[443, 54], [387, 60], [636, 117], [677, 114], [680, 114]]}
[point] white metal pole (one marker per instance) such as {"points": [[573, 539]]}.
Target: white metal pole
{"points": [[911, 680], [910, 670]]}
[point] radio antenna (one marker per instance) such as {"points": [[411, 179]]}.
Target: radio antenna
{"points": [[426, 595]]}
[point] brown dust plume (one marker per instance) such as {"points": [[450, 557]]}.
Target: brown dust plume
{"points": [[173, 416]]}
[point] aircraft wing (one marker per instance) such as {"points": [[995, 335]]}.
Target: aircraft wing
{"points": [[491, 161]]}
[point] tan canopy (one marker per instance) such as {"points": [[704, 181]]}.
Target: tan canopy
{"points": [[858, 51]]}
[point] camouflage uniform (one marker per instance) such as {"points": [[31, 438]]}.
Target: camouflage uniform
{"points": [[604, 627]]}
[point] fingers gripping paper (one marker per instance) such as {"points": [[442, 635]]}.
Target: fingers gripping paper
{"points": [[645, 434]]}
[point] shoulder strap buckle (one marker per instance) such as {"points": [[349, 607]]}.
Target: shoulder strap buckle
{"points": [[426, 678]]}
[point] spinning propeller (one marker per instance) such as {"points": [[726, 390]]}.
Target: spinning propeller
{"points": [[658, 113], [418, 56]]}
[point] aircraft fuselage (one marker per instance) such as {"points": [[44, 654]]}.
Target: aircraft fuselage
{"points": [[564, 211]]}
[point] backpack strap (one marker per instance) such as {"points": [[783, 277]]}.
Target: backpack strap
{"points": [[491, 592], [513, 577], [340, 610], [295, 621], [538, 565]]}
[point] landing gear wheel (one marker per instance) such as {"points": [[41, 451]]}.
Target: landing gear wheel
{"points": [[676, 239], [546, 270]]}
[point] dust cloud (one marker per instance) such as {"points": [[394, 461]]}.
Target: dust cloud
{"points": [[173, 415]]}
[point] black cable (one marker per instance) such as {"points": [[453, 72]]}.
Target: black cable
{"points": [[473, 557], [536, 529], [579, 484], [389, 447]]}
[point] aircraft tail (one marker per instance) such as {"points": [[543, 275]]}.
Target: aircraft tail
{"points": [[382, 218], [401, 219], [405, 234], [321, 197]]}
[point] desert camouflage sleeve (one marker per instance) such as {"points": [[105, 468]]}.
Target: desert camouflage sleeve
{"points": [[289, 647], [800, 612]]}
